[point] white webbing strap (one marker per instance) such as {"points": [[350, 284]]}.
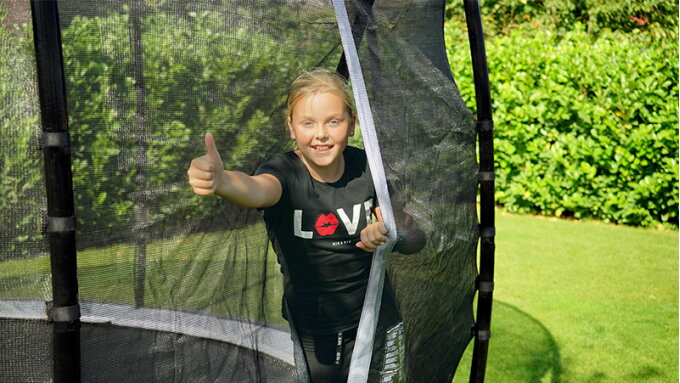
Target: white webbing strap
{"points": [[363, 346]]}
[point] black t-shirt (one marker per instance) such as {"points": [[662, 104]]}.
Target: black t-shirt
{"points": [[314, 229]]}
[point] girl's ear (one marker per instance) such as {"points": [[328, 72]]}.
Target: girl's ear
{"points": [[290, 129], [352, 125]]}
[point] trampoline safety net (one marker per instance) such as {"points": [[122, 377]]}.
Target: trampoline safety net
{"points": [[179, 288]]}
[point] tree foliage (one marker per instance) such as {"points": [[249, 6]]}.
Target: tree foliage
{"points": [[586, 122], [659, 17], [200, 73], [22, 191]]}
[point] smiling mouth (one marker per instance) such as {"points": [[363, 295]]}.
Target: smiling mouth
{"points": [[322, 148]]}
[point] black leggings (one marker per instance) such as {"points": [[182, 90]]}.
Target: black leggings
{"points": [[328, 356]]}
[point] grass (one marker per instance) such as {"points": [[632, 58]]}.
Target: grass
{"points": [[190, 273], [582, 302], [575, 302]]}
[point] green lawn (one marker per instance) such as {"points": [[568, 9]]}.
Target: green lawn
{"points": [[193, 272], [574, 301], [582, 302]]}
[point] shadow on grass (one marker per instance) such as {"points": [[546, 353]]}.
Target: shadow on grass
{"points": [[521, 350]]}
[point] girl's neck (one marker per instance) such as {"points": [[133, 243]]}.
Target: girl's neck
{"points": [[328, 174]]}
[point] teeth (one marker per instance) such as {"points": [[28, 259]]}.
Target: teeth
{"points": [[322, 147]]}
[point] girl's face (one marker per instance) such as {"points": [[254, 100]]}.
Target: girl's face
{"points": [[321, 125]]}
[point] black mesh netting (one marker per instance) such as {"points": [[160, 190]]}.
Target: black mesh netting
{"points": [[176, 287]]}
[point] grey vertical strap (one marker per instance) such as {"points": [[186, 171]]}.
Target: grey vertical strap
{"points": [[363, 346], [298, 354]]}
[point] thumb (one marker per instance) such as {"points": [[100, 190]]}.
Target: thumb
{"points": [[213, 154], [378, 214]]}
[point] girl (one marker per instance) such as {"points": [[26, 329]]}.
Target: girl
{"points": [[318, 203]]}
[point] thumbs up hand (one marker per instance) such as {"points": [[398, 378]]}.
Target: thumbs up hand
{"points": [[206, 173]]}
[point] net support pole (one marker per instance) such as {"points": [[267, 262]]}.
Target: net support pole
{"points": [[486, 177], [140, 199], [63, 311]]}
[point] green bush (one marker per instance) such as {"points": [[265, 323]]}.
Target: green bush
{"points": [[659, 17], [585, 126], [200, 74], [22, 192], [197, 77]]}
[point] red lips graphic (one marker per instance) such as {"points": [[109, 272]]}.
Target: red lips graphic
{"points": [[326, 224]]}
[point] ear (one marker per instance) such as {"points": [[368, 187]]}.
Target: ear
{"points": [[290, 129], [352, 125]]}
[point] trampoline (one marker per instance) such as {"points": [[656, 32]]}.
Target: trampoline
{"points": [[177, 338], [112, 271]]}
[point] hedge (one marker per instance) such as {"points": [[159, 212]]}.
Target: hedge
{"points": [[22, 191], [657, 17], [585, 126], [197, 79]]}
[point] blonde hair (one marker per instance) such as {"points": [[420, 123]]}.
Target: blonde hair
{"points": [[319, 81]]}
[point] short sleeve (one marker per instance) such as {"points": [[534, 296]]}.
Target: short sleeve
{"points": [[275, 165]]}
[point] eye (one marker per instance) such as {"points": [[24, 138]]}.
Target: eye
{"points": [[307, 124], [334, 122]]}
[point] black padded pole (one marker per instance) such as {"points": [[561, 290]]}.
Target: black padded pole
{"points": [[486, 177], [63, 311], [140, 200]]}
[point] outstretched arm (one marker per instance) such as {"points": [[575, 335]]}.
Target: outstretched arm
{"points": [[207, 176]]}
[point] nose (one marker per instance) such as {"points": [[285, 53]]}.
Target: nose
{"points": [[320, 132]]}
